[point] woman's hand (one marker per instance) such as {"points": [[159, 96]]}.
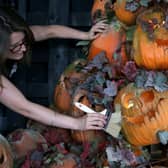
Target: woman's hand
{"points": [[97, 29], [93, 121]]}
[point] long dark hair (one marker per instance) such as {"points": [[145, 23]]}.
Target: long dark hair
{"points": [[4, 47], [15, 23]]}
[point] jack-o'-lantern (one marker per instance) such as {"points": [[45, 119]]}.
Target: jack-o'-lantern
{"points": [[150, 43], [144, 114], [6, 157], [68, 80], [112, 42], [89, 135]]}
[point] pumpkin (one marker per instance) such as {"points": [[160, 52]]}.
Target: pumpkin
{"points": [[100, 9], [150, 42], [89, 135], [24, 141], [124, 15], [143, 114], [62, 93], [6, 157], [111, 42]]}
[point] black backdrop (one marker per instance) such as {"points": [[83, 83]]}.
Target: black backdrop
{"points": [[51, 57]]}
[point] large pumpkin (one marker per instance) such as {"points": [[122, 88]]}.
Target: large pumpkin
{"points": [[100, 9], [113, 43], [150, 43], [144, 114], [124, 15]]}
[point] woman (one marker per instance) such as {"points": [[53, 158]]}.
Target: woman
{"points": [[20, 38]]}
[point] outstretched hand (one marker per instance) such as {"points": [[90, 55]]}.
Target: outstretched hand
{"points": [[93, 121], [97, 29]]}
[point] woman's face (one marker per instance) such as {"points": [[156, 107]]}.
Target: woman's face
{"points": [[17, 46]]}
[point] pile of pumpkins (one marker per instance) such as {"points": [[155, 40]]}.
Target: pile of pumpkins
{"points": [[144, 110]]}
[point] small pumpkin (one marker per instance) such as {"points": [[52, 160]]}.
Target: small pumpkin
{"points": [[23, 141], [144, 114], [6, 157], [150, 42], [100, 8], [124, 15], [64, 88], [112, 42]]}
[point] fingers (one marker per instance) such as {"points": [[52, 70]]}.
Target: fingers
{"points": [[98, 28], [95, 121]]}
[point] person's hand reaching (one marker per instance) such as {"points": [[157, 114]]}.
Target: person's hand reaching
{"points": [[93, 121], [97, 29]]}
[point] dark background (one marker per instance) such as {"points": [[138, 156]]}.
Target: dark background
{"points": [[51, 57]]}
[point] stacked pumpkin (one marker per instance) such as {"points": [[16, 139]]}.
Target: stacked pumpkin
{"points": [[143, 107]]}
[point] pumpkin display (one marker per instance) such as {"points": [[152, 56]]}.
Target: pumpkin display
{"points": [[68, 80], [6, 157], [112, 42], [24, 141], [150, 43], [126, 16], [101, 8], [143, 114]]}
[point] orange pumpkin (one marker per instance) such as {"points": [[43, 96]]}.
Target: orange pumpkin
{"points": [[151, 52], [124, 15], [90, 135], [6, 157], [110, 42], [100, 8], [144, 114], [62, 93]]}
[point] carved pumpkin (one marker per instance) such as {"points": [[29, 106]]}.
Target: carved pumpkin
{"points": [[111, 41], [150, 43], [100, 8], [6, 157], [63, 90], [24, 141], [124, 15], [144, 114], [90, 135]]}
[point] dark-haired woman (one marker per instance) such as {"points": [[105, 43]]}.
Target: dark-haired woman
{"points": [[18, 41]]}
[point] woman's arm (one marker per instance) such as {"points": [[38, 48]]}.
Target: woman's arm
{"points": [[11, 97], [58, 31]]}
